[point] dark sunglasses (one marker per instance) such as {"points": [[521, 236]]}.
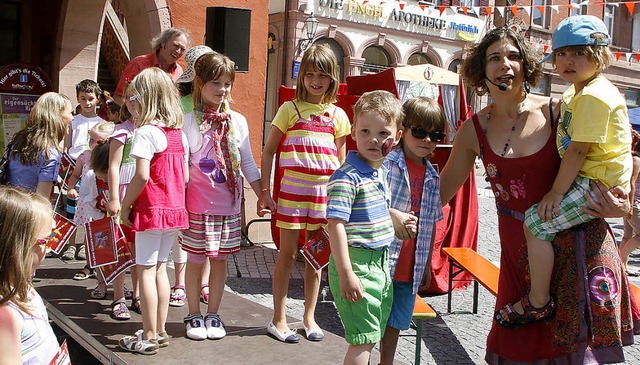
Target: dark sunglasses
{"points": [[420, 133]]}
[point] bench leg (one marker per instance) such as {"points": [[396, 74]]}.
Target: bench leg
{"points": [[418, 340], [449, 292], [475, 297]]}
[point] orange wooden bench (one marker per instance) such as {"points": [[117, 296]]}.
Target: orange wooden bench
{"points": [[635, 291], [421, 311], [464, 259]]}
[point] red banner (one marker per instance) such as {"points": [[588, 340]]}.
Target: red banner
{"points": [[101, 242], [317, 250]]}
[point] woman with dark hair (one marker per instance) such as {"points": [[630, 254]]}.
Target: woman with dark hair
{"points": [[515, 138]]}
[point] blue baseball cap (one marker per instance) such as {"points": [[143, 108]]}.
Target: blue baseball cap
{"points": [[577, 30]]}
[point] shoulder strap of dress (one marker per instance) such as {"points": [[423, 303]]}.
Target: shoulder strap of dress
{"points": [[295, 106]]}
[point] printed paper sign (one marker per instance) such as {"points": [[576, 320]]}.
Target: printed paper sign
{"points": [[64, 231], [67, 164], [101, 242], [317, 250], [125, 258]]}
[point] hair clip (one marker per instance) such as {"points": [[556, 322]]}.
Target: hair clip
{"points": [[99, 141]]}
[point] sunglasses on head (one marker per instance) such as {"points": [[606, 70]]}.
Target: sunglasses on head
{"points": [[48, 241], [421, 133]]}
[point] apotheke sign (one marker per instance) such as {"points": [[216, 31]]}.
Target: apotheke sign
{"points": [[410, 18]]}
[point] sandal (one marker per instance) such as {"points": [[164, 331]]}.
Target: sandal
{"points": [[530, 315], [204, 297], [98, 292], [135, 305], [85, 274], [119, 310], [177, 300]]}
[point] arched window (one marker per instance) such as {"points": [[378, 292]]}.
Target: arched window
{"points": [[455, 65], [376, 59], [419, 59], [337, 51]]}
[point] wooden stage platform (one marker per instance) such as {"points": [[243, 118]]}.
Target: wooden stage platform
{"points": [[88, 322]]}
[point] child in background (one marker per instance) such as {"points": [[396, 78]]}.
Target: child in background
{"points": [[154, 204], [103, 109], [220, 151], [415, 192], [360, 228], [26, 337], [34, 159], [593, 140], [122, 167], [314, 147], [99, 133], [87, 94], [95, 195]]}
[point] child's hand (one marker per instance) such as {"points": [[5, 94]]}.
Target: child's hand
{"points": [[113, 208], [72, 193], [265, 204], [405, 225], [350, 287], [549, 206]]}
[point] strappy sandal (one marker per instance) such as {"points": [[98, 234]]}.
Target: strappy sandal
{"points": [[119, 310], [529, 316], [98, 292], [135, 305], [177, 300], [128, 293], [85, 273], [204, 297]]}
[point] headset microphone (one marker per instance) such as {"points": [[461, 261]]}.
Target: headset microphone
{"points": [[501, 86]]}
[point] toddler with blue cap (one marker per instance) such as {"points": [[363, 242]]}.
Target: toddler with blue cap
{"points": [[594, 141]]}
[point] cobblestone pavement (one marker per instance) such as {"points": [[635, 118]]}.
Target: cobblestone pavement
{"points": [[448, 339]]}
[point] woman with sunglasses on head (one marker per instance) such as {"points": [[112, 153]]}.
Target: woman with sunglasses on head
{"points": [[25, 334], [515, 138], [415, 209]]}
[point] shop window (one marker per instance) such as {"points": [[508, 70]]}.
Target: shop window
{"points": [[419, 59], [539, 18], [578, 7], [376, 59], [609, 15], [337, 51], [632, 97], [543, 87]]}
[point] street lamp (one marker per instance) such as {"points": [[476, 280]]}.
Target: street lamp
{"points": [[309, 28]]}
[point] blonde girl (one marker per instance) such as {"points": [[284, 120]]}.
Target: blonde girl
{"points": [[314, 146], [122, 167], [26, 336], [220, 151], [36, 150], [154, 202]]}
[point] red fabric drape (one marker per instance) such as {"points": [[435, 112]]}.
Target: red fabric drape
{"points": [[460, 225]]}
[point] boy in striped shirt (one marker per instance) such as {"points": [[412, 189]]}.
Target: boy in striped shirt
{"points": [[360, 227]]}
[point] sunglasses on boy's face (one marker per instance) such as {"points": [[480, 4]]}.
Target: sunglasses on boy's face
{"points": [[420, 133]]}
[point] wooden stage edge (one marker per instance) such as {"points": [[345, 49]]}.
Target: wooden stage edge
{"points": [[88, 322]]}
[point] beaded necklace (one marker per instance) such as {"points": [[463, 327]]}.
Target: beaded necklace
{"points": [[513, 127]]}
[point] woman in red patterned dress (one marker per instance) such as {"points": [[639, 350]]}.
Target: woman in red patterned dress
{"points": [[515, 138]]}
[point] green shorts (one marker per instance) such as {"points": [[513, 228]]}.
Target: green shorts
{"points": [[365, 321], [570, 214]]}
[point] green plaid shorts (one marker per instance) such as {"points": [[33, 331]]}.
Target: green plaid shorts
{"points": [[570, 214]]}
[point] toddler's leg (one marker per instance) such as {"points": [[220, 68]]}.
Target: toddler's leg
{"points": [[217, 280], [164, 289], [192, 280], [280, 285], [541, 259], [358, 354]]}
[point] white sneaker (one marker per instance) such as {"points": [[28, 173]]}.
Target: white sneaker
{"points": [[196, 329], [136, 344], [215, 327]]}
